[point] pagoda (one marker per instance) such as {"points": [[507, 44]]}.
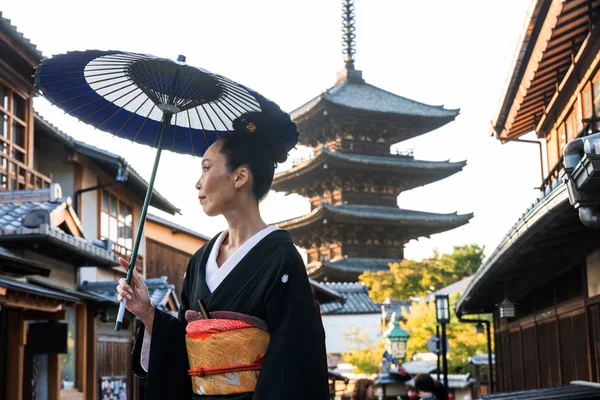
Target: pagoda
{"points": [[353, 180]]}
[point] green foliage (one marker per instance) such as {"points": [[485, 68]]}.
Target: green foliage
{"points": [[409, 279], [364, 354], [463, 340]]}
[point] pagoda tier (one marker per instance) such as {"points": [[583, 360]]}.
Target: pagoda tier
{"points": [[356, 116], [339, 236], [341, 178]]}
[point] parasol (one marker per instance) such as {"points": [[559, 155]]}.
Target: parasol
{"points": [[158, 102]]}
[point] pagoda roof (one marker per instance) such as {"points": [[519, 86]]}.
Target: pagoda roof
{"points": [[367, 214], [428, 171], [347, 269], [359, 95]]}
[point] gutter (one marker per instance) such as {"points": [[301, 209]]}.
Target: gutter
{"points": [[489, 346]]}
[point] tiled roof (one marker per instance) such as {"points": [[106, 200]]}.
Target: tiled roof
{"points": [[107, 159], [534, 218], [11, 228], [481, 359], [366, 97], [395, 161], [25, 286], [380, 213], [359, 265], [13, 33], [456, 287], [420, 171], [158, 288], [419, 367], [356, 300], [395, 213]]}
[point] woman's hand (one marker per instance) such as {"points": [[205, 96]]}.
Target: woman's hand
{"points": [[138, 299]]}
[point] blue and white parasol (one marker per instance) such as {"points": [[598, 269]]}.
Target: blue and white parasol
{"points": [[157, 102]]}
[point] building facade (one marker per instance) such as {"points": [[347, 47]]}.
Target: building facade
{"points": [[67, 211], [548, 265]]}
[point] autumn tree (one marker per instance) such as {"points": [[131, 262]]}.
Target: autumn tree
{"points": [[463, 340], [364, 354], [409, 279]]}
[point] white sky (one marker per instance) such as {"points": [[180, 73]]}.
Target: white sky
{"points": [[457, 53]]}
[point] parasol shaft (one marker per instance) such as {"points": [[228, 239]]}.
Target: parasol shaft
{"points": [[165, 123]]}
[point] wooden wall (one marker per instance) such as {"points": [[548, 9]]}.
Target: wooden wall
{"points": [[554, 340], [111, 354], [162, 259]]}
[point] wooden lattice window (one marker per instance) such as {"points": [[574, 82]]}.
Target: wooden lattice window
{"points": [[14, 127], [116, 223]]}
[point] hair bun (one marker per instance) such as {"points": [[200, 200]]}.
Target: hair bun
{"points": [[275, 135]]}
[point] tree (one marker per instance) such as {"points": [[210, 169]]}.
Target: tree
{"points": [[464, 342], [364, 354], [409, 279]]}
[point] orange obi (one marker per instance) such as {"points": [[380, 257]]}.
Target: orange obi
{"points": [[225, 352]]}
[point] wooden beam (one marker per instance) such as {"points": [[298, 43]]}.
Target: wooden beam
{"points": [[53, 376], [60, 315], [91, 382], [30, 302], [81, 347], [16, 355]]}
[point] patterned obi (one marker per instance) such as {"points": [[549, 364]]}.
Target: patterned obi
{"points": [[225, 352]]}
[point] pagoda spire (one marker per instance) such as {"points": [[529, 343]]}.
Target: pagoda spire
{"points": [[349, 73], [348, 36]]}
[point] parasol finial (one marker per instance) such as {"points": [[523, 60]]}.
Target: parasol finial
{"points": [[181, 58], [348, 36]]}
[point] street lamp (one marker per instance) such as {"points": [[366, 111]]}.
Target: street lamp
{"points": [[442, 315], [582, 171], [506, 309], [395, 341], [442, 308], [479, 328]]}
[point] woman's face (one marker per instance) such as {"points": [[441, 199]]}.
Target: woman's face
{"points": [[370, 392], [216, 189]]}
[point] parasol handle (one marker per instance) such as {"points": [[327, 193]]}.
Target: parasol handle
{"points": [[165, 123]]}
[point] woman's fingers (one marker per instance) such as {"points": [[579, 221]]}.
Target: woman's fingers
{"points": [[125, 264]]}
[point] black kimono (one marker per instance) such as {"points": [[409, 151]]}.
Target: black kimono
{"points": [[270, 283]]}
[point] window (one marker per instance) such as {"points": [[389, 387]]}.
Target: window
{"points": [[552, 149], [116, 223], [562, 137], [576, 119], [67, 361], [14, 113], [596, 95], [586, 97]]}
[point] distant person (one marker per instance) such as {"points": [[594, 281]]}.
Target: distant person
{"points": [[425, 387], [363, 390]]}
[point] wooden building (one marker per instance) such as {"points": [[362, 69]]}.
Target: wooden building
{"points": [[548, 264], [353, 181], [67, 210], [169, 247]]}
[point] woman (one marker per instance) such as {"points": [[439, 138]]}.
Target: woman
{"points": [[251, 269], [363, 390]]}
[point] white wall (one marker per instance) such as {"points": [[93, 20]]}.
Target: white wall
{"points": [[53, 160], [90, 210], [337, 325]]}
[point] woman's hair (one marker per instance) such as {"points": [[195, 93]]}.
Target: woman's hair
{"points": [[424, 383], [258, 150], [360, 389]]}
